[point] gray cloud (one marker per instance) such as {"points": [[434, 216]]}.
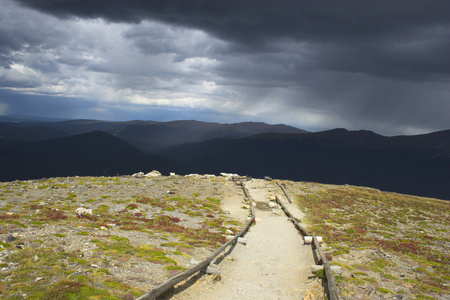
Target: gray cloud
{"points": [[383, 38], [380, 65]]}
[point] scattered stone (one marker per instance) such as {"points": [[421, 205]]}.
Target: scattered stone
{"points": [[153, 173], [129, 296], [35, 258], [77, 274], [272, 204], [138, 175], [10, 238], [229, 176], [81, 211]]}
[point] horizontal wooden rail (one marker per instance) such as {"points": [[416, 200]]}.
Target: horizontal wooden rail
{"points": [[284, 191], [169, 284], [331, 280], [302, 230]]}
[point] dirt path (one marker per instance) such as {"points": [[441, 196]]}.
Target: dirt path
{"points": [[274, 264]]}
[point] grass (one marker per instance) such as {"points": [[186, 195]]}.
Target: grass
{"points": [[411, 229], [96, 245]]}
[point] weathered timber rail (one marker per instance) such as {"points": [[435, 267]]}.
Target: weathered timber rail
{"points": [[284, 191], [203, 265], [331, 280], [333, 293], [297, 225]]}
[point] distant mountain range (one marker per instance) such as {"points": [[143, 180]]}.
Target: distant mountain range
{"points": [[147, 136], [418, 165]]}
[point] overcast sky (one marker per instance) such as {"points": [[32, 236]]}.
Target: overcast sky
{"points": [[381, 65]]}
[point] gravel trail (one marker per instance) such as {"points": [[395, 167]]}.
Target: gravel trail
{"points": [[274, 264]]}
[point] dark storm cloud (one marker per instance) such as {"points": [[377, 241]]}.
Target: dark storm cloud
{"points": [[381, 65], [402, 38]]}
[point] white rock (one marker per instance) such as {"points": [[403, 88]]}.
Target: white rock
{"points": [[229, 176], [81, 211], [153, 173]]}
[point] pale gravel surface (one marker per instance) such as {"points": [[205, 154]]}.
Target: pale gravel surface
{"points": [[274, 264]]}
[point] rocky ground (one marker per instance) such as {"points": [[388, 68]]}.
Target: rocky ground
{"points": [[144, 230], [141, 232]]}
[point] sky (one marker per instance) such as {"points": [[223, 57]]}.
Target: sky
{"points": [[380, 65]]}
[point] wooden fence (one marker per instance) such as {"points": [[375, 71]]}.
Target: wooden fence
{"points": [[333, 293], [203, 265]]}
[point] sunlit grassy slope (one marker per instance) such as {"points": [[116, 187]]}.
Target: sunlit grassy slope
{"points": [[386, 242]]}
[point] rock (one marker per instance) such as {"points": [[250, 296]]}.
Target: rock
{"points": [[129, 296], [35, 258], [138, 175], [311, 295], [229, 176], [38, 279], [81, 211], [10, 238], [153, 173], [77, 273]]}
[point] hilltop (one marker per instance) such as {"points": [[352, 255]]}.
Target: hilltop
{"points": [[144, 230]]}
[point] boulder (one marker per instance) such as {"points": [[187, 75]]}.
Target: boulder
{"points": [[138, 175], [153, 173], [81, 211]]}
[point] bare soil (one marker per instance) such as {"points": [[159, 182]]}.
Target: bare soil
{"points": [[274, 264]]}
